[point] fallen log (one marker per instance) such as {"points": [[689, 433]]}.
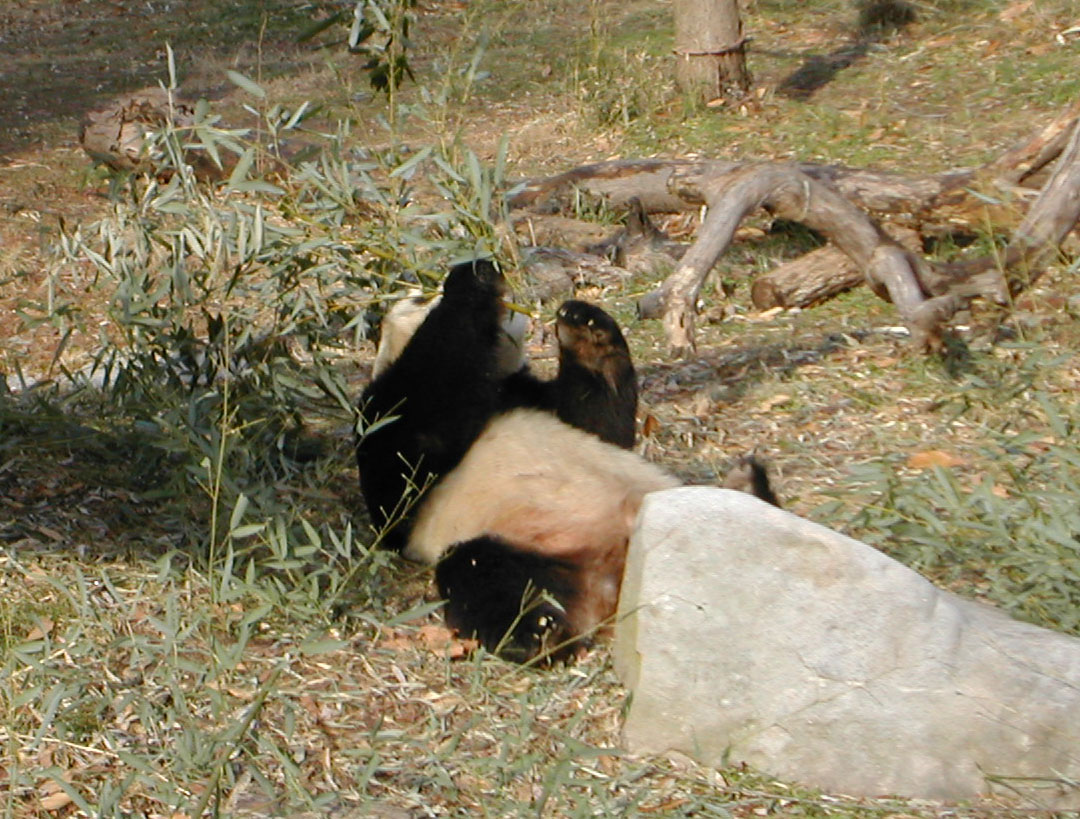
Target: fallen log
{"points": [[672, 185], [926, 295], [786, 192], [836, 202], [1051, 217], [818, 275], [617, 182], [880, 192], [1027, 158], [810, 279]]}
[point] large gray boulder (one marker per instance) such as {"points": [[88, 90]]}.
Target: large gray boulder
{"points": [[747, 634]]}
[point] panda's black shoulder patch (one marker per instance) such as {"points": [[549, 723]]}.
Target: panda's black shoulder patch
{"points": [[426, 409]]}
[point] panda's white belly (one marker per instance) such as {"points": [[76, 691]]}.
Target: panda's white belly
{"points": [[539, 484]]}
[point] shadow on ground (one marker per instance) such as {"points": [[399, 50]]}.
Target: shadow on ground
{"points": [[62, 60], [878, 20], [65, 483]]}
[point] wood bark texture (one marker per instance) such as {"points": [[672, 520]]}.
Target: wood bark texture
{"points": [[116, 135], [787, 192], [119, 134], [671, 185], [838, 203], [818, 275], [710, 51]]}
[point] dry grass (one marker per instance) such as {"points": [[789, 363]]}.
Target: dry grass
{"points": [[142, 678]]}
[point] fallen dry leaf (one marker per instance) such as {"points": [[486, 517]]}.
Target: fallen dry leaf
{"points": [[934, 457], [774, 401], [55, 801], [650, 426], [398, 644], [939, 42], [1042, 444], [43, 628], [747, 233], [439, 638], [1014, 10], [462, 648], [702, 405], [436, 636]]}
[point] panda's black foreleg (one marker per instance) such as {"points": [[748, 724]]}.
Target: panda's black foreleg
{"points": [[522, 389], [596, 387], [516, 603], [440, 393]]}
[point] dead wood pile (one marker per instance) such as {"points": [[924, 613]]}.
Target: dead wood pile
{"points": [[874, 224]]}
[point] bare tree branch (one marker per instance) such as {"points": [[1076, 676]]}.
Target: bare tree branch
{"points": [[836, 202]]}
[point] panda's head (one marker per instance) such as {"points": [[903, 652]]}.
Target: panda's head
{"points": [[478, 281], [406, 315]]}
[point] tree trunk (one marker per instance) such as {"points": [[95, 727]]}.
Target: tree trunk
{"points": [[710, 49]]}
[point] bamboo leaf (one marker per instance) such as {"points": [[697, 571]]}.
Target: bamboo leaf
{"points": [[245, 83]]}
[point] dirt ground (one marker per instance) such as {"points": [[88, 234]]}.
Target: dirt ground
{"points": [[819, 393], [66, 58]]}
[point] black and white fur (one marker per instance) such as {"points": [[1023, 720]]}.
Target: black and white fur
{"points": [[596, 386], [406, 315], [523, 508]]}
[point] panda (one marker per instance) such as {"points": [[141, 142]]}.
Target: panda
{"points": [[397, 327], [420, 415], [596, 385], [522, 500], [750, 475], [400, 323], [529, 533], [596, 389]]}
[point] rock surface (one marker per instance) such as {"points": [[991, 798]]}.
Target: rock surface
{"points": [[747, 634]]}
